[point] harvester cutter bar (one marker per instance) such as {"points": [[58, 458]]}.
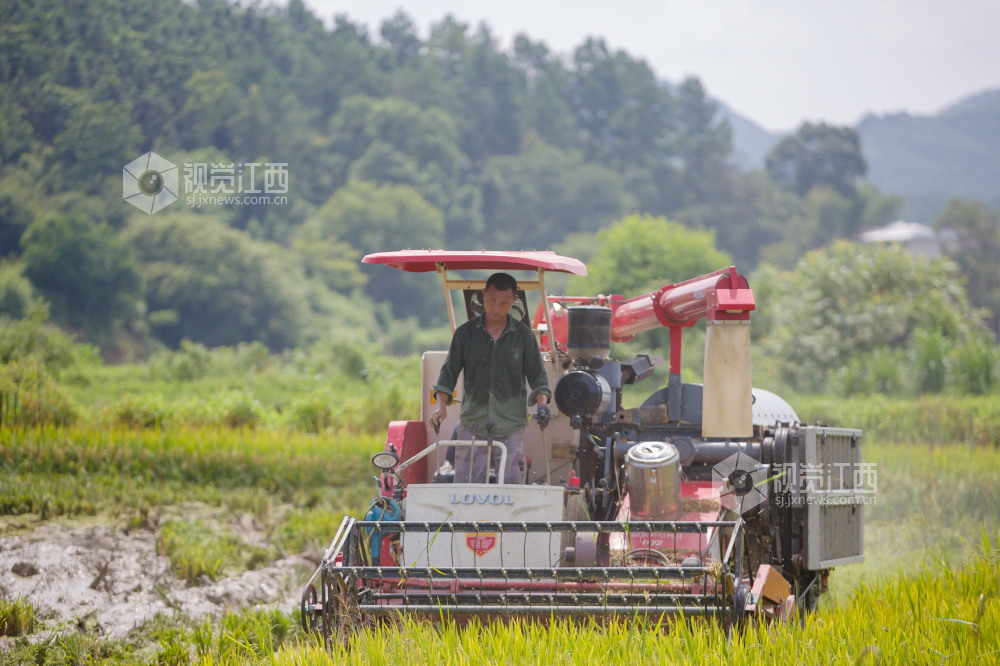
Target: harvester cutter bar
{"points": [[529, 598], [533, 573], [545, 610]]}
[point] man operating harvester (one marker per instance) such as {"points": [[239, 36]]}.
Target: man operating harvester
{"points": [[497, 352]]}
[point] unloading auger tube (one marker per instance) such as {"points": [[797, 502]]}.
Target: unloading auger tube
{"points": [[711, 517]]}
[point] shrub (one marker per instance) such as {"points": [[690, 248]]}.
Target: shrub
{"points": [[975, 365], [29, 396], [929, 353], [879, 371], [86, 270], [313, 412], [32, 337], [194, 360], [937, 419], [239, 409], [141, 411], [15, 290], [850, 299]]}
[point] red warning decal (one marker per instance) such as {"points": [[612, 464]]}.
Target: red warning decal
{"points": [[480, 544]]}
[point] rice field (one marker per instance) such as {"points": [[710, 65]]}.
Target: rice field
{"points": [[939, 615], [927, 592]]}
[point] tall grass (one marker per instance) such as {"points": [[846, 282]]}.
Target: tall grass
{"points": [[936, 616], [298, 486], [197, 551], [928, 419], [277, 462], [17, 617]]}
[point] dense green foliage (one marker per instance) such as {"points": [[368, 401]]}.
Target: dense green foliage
{"points": [[642, 253], [858, 318], [818, 155], [392, 140], [210, 283], [976, 250], [87, 272]]}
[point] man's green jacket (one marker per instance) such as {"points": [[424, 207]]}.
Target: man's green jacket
{"points": [[494, 375]]}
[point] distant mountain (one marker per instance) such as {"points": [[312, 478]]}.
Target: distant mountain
{"points": [[927, 159], [931, 158], [751, 142]]}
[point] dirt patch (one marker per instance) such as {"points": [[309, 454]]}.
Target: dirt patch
{"points": [[108, 582]]}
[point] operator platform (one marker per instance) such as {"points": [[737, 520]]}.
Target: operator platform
{"points": [[497, 352]]}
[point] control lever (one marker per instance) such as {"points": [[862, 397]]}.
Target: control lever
{"points": [[490, 425], [472, 454], [437, 446]]}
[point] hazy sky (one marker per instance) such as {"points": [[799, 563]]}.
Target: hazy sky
{"points": [[777, 61]]}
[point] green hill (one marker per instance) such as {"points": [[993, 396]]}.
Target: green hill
{"points": [[930, 158]]}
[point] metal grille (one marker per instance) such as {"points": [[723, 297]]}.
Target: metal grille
{"points": [[834, 498]]}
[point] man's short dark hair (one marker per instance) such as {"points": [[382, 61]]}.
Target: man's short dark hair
{"points": [[502, 282]]}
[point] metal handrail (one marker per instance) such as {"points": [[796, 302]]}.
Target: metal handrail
{"points": [[461, 442]]}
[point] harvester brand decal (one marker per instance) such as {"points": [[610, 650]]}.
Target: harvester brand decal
{"points": [[470, 498], [480, 544]]}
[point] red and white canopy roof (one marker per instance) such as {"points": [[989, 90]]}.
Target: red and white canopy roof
{"points": [[423, 261]]}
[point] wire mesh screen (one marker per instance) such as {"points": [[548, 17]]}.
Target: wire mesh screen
{"points": [[474, 305]]}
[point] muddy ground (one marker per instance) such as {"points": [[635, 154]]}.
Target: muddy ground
{"points": [[104, 580]]}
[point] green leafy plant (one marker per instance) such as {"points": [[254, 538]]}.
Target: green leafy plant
{"points": [[976, 365], [17, 617]]}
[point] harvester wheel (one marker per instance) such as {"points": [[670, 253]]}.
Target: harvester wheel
{"points": [[312, 619]]}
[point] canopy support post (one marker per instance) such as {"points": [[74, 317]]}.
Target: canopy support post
{"points": [[553, 349], [443, 270]]}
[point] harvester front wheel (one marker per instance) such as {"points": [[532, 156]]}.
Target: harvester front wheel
{"points": [[312, 617]]}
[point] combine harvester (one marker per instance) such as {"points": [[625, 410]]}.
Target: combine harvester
{"points": [[708, 500]]}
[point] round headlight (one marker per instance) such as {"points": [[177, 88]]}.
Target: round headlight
{"points": [[385, 460]]}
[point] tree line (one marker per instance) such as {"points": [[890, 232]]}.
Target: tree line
{"points": [[392, 139]]}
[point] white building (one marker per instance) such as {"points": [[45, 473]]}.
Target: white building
{"points": [[919, 239]]}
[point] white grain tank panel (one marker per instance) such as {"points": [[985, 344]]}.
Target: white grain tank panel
{"points": [[834, 500], [726, 405], [459, 502]]}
